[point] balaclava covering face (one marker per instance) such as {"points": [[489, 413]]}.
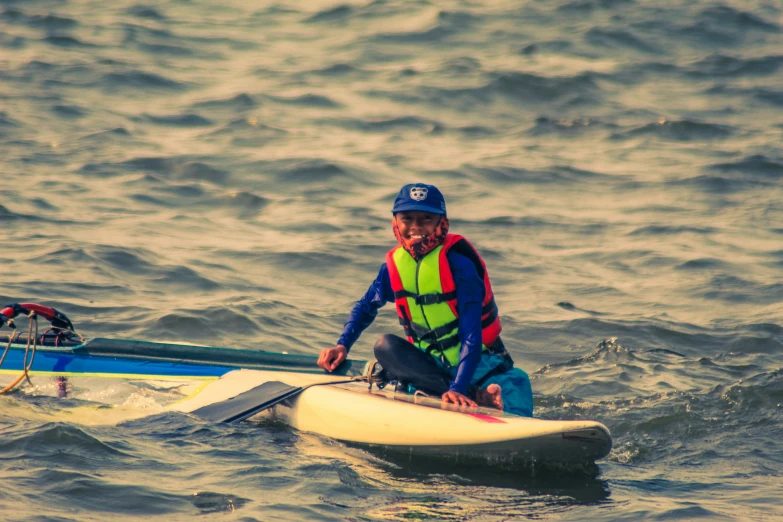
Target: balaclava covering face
{"points": [[420, 247]]}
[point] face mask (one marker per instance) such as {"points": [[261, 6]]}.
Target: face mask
{"points": [[418, 248]]}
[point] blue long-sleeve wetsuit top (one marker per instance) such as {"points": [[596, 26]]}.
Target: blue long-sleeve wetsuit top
{"points": [[470, 295]]}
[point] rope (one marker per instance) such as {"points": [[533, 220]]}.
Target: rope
{"points": [[371, 378], [8, 346], [367, 377], [31, 337]]}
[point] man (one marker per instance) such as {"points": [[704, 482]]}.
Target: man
{"points": [[444, 301]]}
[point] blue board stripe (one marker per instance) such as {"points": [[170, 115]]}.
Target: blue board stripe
{"points": [[70, 363]]}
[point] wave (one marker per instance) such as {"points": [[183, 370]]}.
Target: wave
{"points": [[339, 70], [758, 167], [69, 111], [566, 127], [561, 175], [158, 49], [60, 443], [579, 6], [182, 276], [248, 127], [7, 121], [247, 132], [768, 96], [755, 171], [237, 103], [618, 39], [306, 261], [307, 100], [145, 11], [48, 22], [703, 263], [7, 215], [759, 393], [686, 130], [179, 120], [92, 494], [446, 25], [665, 230], [527, 88], [723, 26], [402, 123], [175, 167], [195, 324], [118, 133], [135, 261], [334, 14], [728, 17], [760, 94], [304, 170], [66, 41], [136, 79], [723, 287], [199, 171], [163, 42], [720, 65], [243, 205]]}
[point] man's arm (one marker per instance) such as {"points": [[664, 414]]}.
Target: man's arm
{"points": [[366, 309], [362, 315], [470, 295]]}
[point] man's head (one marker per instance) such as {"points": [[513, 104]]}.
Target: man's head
{"points": [[420, 222], [418, 196]]}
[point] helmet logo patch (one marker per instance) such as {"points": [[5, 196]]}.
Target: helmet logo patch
{"points": [[418, 193]]}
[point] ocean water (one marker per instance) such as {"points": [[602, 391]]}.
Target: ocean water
{"points": [[222, 173]]}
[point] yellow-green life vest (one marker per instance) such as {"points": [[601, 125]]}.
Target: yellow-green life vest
{"points": [[426, 299]]}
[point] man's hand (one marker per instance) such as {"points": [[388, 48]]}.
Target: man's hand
{"points": [[331, 358], [457, 398]]}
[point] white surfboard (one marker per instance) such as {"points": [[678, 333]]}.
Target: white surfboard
{"points": [[420, 425]]}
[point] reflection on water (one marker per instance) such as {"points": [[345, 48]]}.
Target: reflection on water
{"points": [[415, 487], [581, 484]]}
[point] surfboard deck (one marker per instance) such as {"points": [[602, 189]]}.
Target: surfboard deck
{"points": [[412, 424]]}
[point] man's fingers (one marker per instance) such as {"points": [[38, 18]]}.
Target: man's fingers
{"points": [[325, 359], [337, 360], [452, 397]]}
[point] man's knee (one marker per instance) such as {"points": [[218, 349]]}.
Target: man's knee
{"points": [[384, 345]]}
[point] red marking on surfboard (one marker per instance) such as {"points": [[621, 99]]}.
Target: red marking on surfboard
{"points": [[487, 418]]}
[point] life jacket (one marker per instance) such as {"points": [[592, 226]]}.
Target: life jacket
{"points": [[426, 299]]}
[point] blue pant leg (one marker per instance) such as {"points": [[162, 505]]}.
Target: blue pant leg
{"points": [[515, 385], [516, 391]]}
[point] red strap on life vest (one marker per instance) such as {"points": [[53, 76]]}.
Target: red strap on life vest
{"points": [[489, 332]]}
